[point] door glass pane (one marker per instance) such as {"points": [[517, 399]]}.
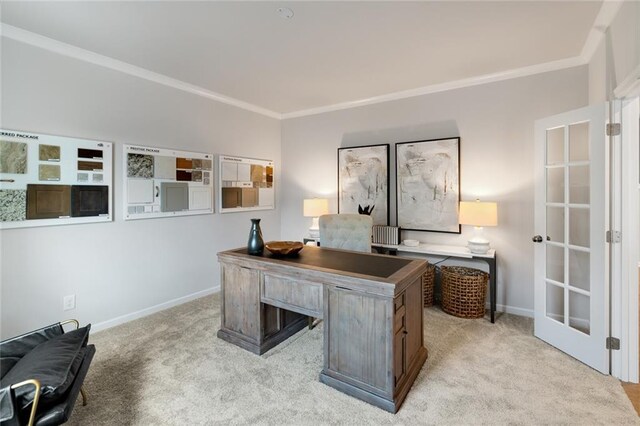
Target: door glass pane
{"points": [[555, 146], [555, 302], [579, 269], [579, 227], [555, 224], [555, 185], [579, 142], [555, 263], [579, 184], [579, 313]]}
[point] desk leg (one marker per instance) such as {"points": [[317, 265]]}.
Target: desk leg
{"points": [[492, 286]]}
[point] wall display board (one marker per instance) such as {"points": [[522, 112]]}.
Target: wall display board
{"points": [[53, 180], [245, 184], [165, 182]]}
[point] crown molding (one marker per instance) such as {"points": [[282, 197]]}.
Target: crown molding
{"points": [[607, 13], [451, 85], [71, 51], [605, 17]]}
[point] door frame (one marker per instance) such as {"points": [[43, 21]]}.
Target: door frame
{"points": [[625, 292]]}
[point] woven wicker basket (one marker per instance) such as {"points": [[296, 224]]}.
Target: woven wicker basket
{"points": [[464, 291], [428, 279]]}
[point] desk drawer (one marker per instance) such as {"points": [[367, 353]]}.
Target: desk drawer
{"points": [[299, 296]]}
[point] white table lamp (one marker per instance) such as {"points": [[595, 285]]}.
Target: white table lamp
{"points": [[478, 214], [315, 207]]}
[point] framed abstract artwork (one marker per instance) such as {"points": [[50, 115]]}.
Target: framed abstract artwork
{"points": [[363, 181], [428, 185]]}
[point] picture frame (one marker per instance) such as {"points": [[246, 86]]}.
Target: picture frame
{"points": [[428, 185], [363, 181]]}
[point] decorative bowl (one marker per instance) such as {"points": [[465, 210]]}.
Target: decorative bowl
{"points": [[284, 248], [411, 243]]}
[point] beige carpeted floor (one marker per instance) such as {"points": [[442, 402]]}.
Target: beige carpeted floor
{"points": [[170, 368]]}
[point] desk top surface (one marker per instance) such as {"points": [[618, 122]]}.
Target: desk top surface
{"points": [[373, 265]]}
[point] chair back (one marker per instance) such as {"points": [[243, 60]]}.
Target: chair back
{"points": [[346, 231]]}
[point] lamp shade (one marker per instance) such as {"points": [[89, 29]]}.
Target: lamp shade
{"points": [[315, 207], [478, 213]]}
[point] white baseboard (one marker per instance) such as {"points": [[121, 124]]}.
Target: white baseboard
{"points": [[152, 310], [513, 310]]}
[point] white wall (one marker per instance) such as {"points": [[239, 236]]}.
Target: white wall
{"points": [[495, 122], [118, 268], [624, 52]]}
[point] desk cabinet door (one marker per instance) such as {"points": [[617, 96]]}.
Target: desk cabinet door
{"points": [[359, 330], [242, 301]]}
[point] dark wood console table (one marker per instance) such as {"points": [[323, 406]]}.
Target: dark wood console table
{"points": [[371, 305]]}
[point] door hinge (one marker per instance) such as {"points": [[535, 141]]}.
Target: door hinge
{"points": [[613, 343], [614, 237], [613, 129]]}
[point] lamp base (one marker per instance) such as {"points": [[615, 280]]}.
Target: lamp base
{"points": [[314, 230], [477, 247]]}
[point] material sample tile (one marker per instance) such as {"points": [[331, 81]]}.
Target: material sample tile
{"points": [[199, 198], [89, 165], [249, 197], [48, 201], [184, 163], [140, 166], [231, 198], [196, 164], [206, 164], [83, 177], [48, 172], [89, 153], [164, 167], [244, 172], [269, 177], [174, 196], [229, 171], [89, 200], [266, 197], [97, 177], [139, 191], [196, 176], [13, 157], [258, 174], [183, 175], [49, 152], [13, 205]]}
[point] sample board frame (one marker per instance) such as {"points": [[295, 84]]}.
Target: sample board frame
{"points": [[245, 184], [62, 180], [160, 182]]}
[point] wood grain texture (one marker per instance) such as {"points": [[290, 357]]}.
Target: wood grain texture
{"points": [[373, 340], [48, 201]]}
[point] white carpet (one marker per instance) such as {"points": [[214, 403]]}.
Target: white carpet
{"points": [[170, 368]]}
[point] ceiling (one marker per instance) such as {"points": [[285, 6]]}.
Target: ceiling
{"points": [[329, 53]]}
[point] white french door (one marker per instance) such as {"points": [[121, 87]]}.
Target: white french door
{"points": [[570, 261]]}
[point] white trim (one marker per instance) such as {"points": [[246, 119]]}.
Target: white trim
{"points": [[65, 49], [451, 85], [514, 310], [605, 16], [152, 309], [625, 316], [607, 13], [630, 86]]}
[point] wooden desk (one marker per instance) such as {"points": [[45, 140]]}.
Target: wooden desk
{"points": [[371, 305], [454, 251]]}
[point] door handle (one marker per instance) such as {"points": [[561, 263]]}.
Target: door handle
{"points": [[537, 239]]}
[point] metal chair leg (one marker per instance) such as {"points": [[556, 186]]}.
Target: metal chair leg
{"points": [[84, 396], [310, 323]]}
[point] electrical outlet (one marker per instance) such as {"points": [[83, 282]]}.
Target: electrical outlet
{"points": [[69, 302]]}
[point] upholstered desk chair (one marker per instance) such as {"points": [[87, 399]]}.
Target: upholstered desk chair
{"points": [[346, 231]]}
